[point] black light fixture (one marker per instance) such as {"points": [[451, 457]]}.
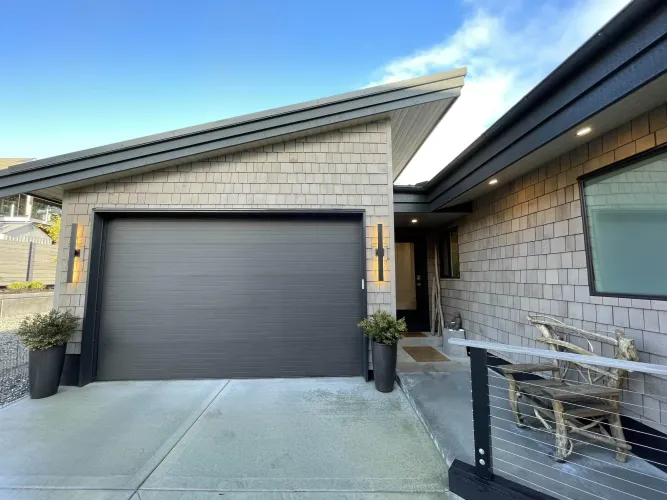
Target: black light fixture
{"points": [[380, 254], [73, 253]]}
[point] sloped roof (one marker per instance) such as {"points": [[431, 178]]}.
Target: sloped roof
{"points": [[8, 162], [415, 106]]}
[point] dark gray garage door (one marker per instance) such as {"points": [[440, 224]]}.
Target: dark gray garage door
{"points": [[218, 297]]}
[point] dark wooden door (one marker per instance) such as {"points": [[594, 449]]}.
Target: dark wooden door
{"points": [[411, 279]]}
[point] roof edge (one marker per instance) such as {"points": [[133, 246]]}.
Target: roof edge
{"points": [[600, 41], [240, 120]]}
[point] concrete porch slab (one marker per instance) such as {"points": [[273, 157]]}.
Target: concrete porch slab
{"points": [[443, 402]]}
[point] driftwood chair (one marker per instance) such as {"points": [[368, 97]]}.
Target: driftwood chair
{"points": [[566, 407]]}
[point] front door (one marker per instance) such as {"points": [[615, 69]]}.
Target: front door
{"points": [[411, 279]]}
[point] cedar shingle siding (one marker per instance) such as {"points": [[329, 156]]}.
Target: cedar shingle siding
{"points": [[522, 251]]}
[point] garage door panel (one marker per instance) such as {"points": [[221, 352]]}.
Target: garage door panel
{"points": [[241, 356], [219, 298]]}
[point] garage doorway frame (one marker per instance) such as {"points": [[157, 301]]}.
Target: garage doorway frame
{"points": [[91, 323]]}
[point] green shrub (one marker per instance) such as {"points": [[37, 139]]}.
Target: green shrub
{"points": [[41, 331], [26, 285], [383, 328]]}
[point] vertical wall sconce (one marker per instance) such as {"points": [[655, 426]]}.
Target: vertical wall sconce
{"points": [[380, 254], [73, 253]]}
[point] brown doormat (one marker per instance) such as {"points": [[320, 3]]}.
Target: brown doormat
{"points": [[414, 334], [424, 354]]}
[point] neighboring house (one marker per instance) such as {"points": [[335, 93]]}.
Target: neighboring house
{"points": [[20, 214], [566, 201], [239, 248]]}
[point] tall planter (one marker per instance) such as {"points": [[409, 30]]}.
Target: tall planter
{"points": [[44, 370], [384, 365]]}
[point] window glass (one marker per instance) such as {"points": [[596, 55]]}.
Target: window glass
{"points": [[40, 210], [448, 254], [454, 252], [9, 206], [626, 217]]}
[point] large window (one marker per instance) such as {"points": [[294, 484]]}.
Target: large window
{"points": [[625, 217], [24, 206], [448, 254]]}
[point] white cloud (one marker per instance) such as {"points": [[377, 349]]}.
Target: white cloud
{"points": [[505, 60]]}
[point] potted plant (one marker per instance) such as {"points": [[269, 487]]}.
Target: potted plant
{"points": [[46, 336], [385, 332]]}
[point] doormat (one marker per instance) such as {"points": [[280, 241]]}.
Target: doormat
{"points": [[414, 334], [425, 354]]}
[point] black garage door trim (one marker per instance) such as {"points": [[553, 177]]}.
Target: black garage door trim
{"points": [[90, 326]]}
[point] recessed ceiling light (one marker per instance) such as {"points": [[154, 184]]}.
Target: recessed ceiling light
{"points": [[493, 181], [584, 131], [414, 221]]}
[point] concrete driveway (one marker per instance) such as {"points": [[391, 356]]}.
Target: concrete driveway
{"points": [[326, 438]]}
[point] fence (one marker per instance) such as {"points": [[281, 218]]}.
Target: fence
{"points": [[27, 261], [540, 434], [13, 369]]}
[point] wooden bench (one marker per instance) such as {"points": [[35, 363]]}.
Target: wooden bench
{"points": [[565, 406]]}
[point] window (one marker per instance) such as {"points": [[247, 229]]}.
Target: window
{"points": [[41, 210], [625, 219], [448, 254], [11, 206]]}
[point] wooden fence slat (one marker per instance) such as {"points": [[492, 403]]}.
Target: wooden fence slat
{"points": [[14, 262]]}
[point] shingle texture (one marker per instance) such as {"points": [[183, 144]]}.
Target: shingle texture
{"points": [[344, 169], [522, 251]]}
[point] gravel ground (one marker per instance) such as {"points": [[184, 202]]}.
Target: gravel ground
{"points": [[13, 362], [10, 323]]}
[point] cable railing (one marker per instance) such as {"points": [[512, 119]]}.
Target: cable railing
{"points": [[563, 425]]}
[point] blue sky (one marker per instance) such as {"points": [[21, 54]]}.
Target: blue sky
{"points": [[83, 74]]}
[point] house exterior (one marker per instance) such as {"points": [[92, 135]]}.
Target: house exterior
{"points": [[240, 248], [250, 247], [566, 206]]}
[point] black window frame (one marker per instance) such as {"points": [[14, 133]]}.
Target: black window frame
{"points": [[626, 162], [444, 241]]}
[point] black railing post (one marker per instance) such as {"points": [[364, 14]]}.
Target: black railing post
{"points": [[481, 412], [31, 261]]}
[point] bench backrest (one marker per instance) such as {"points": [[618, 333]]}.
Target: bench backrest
{"points": [[624, 348]]}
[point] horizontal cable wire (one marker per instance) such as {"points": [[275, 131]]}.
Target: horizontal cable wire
{"points": [[539, 487], [609, 448], [575, 393], [494, 374], [577, 453], [575, 382], [581, 406], [550, 478], [570, 473], [569, 357], [592, 419], [574, 464]]}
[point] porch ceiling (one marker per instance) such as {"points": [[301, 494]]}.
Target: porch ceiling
{"points": [[637, 103], [425, 220]]}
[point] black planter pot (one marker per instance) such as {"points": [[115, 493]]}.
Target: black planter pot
{"points": [[384, 366], [44, 370]]}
